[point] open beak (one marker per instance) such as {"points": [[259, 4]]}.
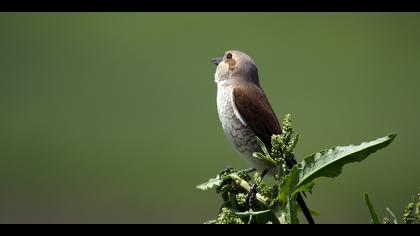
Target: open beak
{"points": [[217, 60]]}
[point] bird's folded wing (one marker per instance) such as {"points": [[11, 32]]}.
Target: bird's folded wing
{"points": [[253, 109]]}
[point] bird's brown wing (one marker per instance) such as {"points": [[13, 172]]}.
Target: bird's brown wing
{"points": [[253, 109], [251, 106]]}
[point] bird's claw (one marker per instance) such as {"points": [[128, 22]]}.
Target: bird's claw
{"points": [[252, 194]]}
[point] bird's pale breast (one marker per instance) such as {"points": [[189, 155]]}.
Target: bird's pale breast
{"points": [[239, 135]]}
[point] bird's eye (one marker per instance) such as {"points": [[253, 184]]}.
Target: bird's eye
{"points": [[229, 56]]}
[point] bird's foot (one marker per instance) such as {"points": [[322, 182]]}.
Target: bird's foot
{"points": [[252, 195]]}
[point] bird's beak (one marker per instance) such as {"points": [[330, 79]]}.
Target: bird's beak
{"points": [[217, 60]]}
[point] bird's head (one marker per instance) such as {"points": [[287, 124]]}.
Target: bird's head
{"points": [[235, 66]]}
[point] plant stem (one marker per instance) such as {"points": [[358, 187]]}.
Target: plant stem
{"points": [[278, 211]]}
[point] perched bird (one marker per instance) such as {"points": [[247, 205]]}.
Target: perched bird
{"points": [[245, 112]]}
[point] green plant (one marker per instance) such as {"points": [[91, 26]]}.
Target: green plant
{"points": [[277, 203], [411, 212]]}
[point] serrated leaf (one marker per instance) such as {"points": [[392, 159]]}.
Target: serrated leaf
{"points": [[394, 218], [327, 163], [214, 182], [372, 212]]}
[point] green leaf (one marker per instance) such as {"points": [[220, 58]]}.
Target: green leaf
{"points": [[394, 218], [372, 212], [265, 158], [328, 163], [291, 210], [293, 143], [263, 147], [314, 212], [214, 182]]}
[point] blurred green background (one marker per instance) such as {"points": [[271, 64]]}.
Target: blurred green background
{"points": [[111, 117]]}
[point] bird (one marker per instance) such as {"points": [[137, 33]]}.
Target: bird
{"points": [[245, 112]]}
